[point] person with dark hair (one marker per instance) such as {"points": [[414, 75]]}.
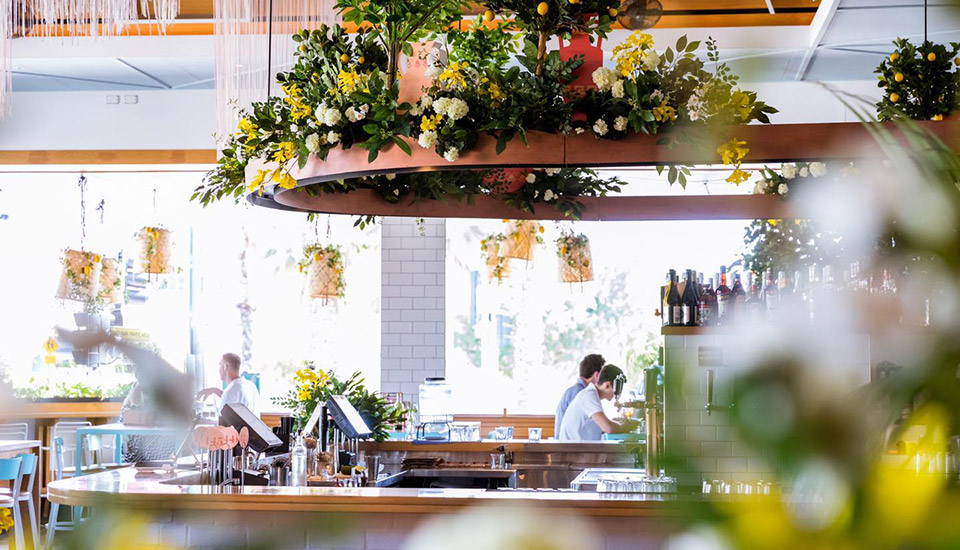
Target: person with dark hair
{"points": [[238, 389], [589, 371], [585, 419]]}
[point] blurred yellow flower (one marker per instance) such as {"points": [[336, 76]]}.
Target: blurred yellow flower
{"points": [[733, 151], [257, 183], [738, 176], [430, 123], [453, 77], [664, 113], [349, 81]]}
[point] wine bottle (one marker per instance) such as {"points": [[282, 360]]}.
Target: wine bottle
{"points": [[671, 301], [724, 299], [753, 303], [689, 302], [739, 296], [708, 306], [771, 293]]}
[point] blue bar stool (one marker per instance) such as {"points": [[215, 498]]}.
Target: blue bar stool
{"points": [[11, 469]]}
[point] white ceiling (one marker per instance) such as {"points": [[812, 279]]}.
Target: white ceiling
{"points": [[845, 42]]}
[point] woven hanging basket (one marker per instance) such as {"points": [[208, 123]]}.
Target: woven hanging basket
{"points": [[154, 250], [498, 267], [80, 279], [325, 275], [111, 282], [574, 260], [521, 240]]}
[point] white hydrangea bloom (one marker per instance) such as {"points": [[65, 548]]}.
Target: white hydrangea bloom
{"points": [[789, 171], [440, 105], [758, 188], [620, 123], [600, 127], [804, 172], [783, 189], [332, 137], [332, 117], [391, 177], [313, 143], [457, 109], [531, 178], [351, 114], [452, 154], [650, 59], [604, 78], [427, 139], [617, 89], [549, 195], [818, 169], [552, 171], [294, 128], [433, 72]]}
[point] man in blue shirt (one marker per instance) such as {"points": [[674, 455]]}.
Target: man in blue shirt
{"points": [[589, 371]]}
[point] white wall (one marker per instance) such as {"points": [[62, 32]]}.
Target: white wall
{"points": [[83, 120], [816, 102]]}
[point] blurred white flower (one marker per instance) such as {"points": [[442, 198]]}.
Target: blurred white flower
{"points": [[804, 172], [331, 117], [552, 171], [504, 528], [294, 128], [440, 105], [620, 123], [650, 59], [604, 78], [427, 139], [313, 143], [549, 195], [789, 171], [391, 176], [332, 137], [699, 538], [452, 154], [531, 178], [600, 127], [782, 189], [433, 72], [617, 89], [656, 95], [818, 169], [457, 109]]}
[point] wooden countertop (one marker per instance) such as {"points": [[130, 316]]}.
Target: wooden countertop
{"points": [[518, 445], [61, 409], [155, 489]]}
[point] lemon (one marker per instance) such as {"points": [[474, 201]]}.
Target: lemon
{"points": [[894, 97], [931, 56], [543, 8], [613, 12], [302, 48], [361, 60], [894, 56], [898, 77], [574, 1], [956, 61], [488, 16], [317, 257], [344, 58], [937, 117]]}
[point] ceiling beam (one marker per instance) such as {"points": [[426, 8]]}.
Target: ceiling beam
{"points": [[142, 72], [818, 28], [91, 80]]}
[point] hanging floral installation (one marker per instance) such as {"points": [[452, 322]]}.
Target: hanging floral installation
{"points": [[111, 282], [498, 267], [521, 239], [155, 249], [575, 263], [919, 82], [780, 183], [80, 278], [323, 265], [494, 81]]}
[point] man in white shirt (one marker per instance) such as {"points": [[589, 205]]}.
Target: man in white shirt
{"points": [[238, 389], [589, 372], [585, 419]]}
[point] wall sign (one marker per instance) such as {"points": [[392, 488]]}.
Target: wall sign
{"points": [[710, 356]]}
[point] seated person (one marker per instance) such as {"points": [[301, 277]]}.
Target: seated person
{"points": [[238, 389], [585, 419], [589, 371]]}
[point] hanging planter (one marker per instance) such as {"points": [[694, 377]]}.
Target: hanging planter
{"points": [[521, 239], [324, 268], [575, 263], [111, 282], [498, 267], [154, 250], [80, 279]]}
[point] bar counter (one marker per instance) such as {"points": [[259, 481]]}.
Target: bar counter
{"points": [[149, 488]]}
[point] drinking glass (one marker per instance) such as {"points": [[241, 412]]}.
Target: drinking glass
{"points": [[497, 461], [534, 434]]}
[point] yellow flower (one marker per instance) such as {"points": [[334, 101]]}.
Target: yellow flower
{"points": [[453, 75], [287, 151], [429, 123], [629, 53], [664, 113], [300, 266], [96, 258], [349, 81], [87, 270], [304, 395], [284, 180], [738, 176], [496, 93], [317, 257], [733, 151], [741, 103], [540, 229], [937, 117], [248, 128], [257, 182]]}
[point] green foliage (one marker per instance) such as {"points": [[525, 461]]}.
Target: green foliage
{"points": [[924, 88], [563, 18], [466, 339], [486, 49], [560, 189]]}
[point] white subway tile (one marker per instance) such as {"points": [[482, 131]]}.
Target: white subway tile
{"points": [[429, 304], [427, 255], [424, 328], [434, 267], [759, 465], [412, 291], [387, 314], [400, 327], [401, 351], [434, 339], [437, 291], [412, 339], [399, 279], [425, 279], [412, 314], [714, 448], [398, 303], [414, 267], [400, 255], [425, 351], [732, 465], [701, 433]]}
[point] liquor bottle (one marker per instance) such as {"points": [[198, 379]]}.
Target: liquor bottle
{"points": [[724, 299], [739, 294], [689, 302], [671, 300], [783, 287], [298, 463], [708, 306], [771, 293], [753, 304]]}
